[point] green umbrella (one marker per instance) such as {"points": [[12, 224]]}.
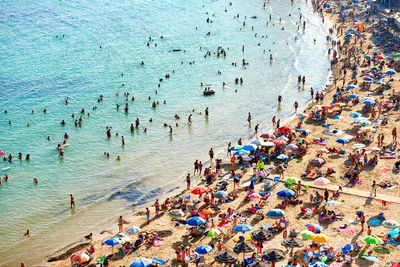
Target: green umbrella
{"points": [[236, 147], [306, 234], [396, 55], [292, 180], [373, 240], [213, 233]]}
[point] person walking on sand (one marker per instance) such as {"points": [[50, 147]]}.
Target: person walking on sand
{"points": [[233, 162], [298, 188], [394, 134], [188, 181], [200, 167], [228, 153], [374, 186], [326, 195], [148, 215], [362, 220], [121, 224], [72, 201], [157, 207], [196, 167]]}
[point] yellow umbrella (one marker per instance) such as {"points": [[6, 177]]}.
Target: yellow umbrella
{"points": [[320, 238], [367, 129]]}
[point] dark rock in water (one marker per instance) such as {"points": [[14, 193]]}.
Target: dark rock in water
{"points": [[67, 253], [254, 17]]}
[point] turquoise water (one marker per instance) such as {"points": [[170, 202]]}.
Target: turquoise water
{"points": [[39, 70]]}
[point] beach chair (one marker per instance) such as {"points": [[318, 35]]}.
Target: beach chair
{"points": [[159, 262]]}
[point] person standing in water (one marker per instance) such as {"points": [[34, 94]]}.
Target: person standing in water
{"points": [[295, 105], [279, 99], [206, 112], [72, 201], [249, 118]]}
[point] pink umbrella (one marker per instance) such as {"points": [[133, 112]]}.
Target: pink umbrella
{"points": [[254, 196], [322, 150], [369, 74], [322, 181]]}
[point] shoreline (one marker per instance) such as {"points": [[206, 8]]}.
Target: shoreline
{"points": [[180, 189]]}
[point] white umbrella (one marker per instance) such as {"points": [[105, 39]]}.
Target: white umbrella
{"points": [[359, 145], [267, 144]]}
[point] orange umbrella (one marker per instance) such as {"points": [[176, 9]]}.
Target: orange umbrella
{"points": [[199, 190], [207, 212]]}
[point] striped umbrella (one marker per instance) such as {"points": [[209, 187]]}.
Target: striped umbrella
{"points": [[320, 238], [236, 147], [317, 161], [315, 228], [279, 142], [175, 213], [306, 234], [221, 194], [390, 224], [212, 233], [268, 136], [241, 152], [321, 181], [133, 230]]}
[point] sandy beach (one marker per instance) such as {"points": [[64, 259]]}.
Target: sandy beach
{"points": [[353, 190]]}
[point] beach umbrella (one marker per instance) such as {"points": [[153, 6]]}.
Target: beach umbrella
{"points": [[242, 228], [368, 74], [317, 161], [373, 259], [292, 242], [203, 250], [292, 147], [368, 79], [212, 233], [221, 194], [284, 138], [199, 190], [244, 247], [396, 55], [261, 235], [342, 141], [241, 152], [373, 240], [321, 181], [254, 196], [273, 255], [195, 221], [247, 159], [268, 136], [255, 142], [302, 140], [285, 129], [141, 262], [258, 264], [394, 233], [390, 224], [80, 257], [282, 157], [267, 144], [286, 193], [367, 56], [278, 142], [175, 213], [250, 147], [112, 242], [236, 147], [323, 150], [353, 96], [292, 180], [380, 83], [306, 234], [326, 107], [333, 203], [390, 72], [320, 238], [302, 114], [317, 264], [315, 228], [374, 69], [276, 213], [225, 256], [355, 115], [133, 230], [306, 131], [351, 86], [368, 102], [358, 145], [207, 212]]}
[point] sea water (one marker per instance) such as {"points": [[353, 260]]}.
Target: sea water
{"points": [[50, 50]]}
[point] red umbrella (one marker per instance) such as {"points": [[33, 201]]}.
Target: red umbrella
{"points": [[326, 107], [285, 129], [199, 190], [279, 142]]}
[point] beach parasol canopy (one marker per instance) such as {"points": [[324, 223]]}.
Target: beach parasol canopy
{"points": [[353, 96], [80, 257], [141, 262], [175, 213], [236, 147], [317, 161], [284, 138], [292, 242], [292, 180], [279, 142], [320, 238], [321, 181], [292, 147], [267, 144], [351, 86], [273, 255], [225, 256], [241, 152], [199, 190], [323, 150], [317, 264], [276, 213], [380, 83], [282, 157], [306, 234], [212, 233], [244, 247], [286, 193], [368, 79], [333, 203], [268, 136], [390, 72], [315, 228], [195, 221], [254, 195], [112, 242], [285, 129], [133, 230], [242, 228], [221, 194], [207, 212], [355, 115], [250, 147], [261, 235], [342, 141], [203, 250], [367, 56], [390, 224], [373, 240], [368, 102]]}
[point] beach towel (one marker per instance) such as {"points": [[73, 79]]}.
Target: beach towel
{"points": [[336, 264], [375, 221], [320, 143], [394, 243], [348, 230], [385, 170]]}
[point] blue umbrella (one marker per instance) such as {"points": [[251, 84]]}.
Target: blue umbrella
{"points": [[249, 148], [368, 79], [353, 96], [337, 117], [367, 56], [251, 186], [355, 115], [203, 250], [141, 262], [390, 72], [242, 228], [342, 141], [276, 213], [195, 221], [241, 152], [282, 157], [317, 264], [351, 86], [380, 83], [286, 193], [304, 131], [346, 249], [368, 102], [112, 242]]}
